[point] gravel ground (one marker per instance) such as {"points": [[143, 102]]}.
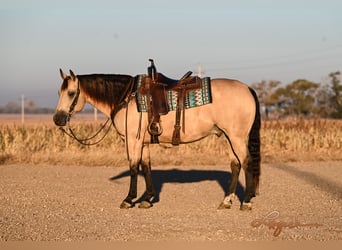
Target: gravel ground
{"points": [[297, 201]]}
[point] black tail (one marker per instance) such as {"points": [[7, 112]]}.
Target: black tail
{"points": [[254, 142]]}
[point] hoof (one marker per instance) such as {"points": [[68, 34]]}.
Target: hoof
{"points": [[145, 204], [224, 206], [126, 205], [227, 202], [246, 206]]}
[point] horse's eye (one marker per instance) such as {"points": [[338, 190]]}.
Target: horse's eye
{"points": [[71, 93]]}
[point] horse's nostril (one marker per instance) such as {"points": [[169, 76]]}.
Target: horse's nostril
{"points": [[60, 118]]}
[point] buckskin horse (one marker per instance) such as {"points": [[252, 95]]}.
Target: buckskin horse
{"points": [[234, 112]]}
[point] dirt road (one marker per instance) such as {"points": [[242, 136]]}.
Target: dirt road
{"points": [[298, 201]]}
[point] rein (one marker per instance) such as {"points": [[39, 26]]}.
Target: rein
{"points": [[83, 141], [125, 100]]}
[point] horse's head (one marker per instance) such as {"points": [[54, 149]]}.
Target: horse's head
{"points": [[71, 99]]}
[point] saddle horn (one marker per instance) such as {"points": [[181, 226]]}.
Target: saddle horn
{"points": [[152, 70]]}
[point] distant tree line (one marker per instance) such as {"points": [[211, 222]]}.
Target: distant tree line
{"points": [[29, 108], [301, 98]]}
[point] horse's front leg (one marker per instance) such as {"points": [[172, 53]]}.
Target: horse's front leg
{"points": [[133, 187], [135, 148], [146, 167], [145, 163]]}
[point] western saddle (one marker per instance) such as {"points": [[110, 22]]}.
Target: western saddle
{"points": [[155, 86]]}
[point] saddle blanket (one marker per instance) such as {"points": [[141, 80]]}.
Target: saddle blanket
{"points": [[193, 98]]}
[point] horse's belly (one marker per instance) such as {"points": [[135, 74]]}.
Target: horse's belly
{"points": [[197, 125]]}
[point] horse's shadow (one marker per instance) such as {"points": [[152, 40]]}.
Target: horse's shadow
{"points": [[160, 177]]}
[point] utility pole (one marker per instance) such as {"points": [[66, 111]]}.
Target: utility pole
{"points": [[199, 70], [22, 108], [95, 114]]}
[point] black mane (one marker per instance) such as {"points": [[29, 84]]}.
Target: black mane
{"points": [[106, 88]]}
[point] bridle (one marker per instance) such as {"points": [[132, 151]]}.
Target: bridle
{"points": [[71, 133], [126, 98], [75, 100]]}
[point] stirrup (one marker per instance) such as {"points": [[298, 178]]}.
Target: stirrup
{"points": [[153, 129], [154, 132]]}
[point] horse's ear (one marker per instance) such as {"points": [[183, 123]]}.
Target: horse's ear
{"points": [[73, 77], [63, 75]]}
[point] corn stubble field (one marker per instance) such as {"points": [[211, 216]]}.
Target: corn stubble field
{"points": [[39, 141]]}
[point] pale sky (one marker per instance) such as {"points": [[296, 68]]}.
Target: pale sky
{"points": [[249, 40]]}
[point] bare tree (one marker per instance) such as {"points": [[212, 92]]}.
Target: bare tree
{"points": [[297, 98], [336, 98], [265, 91]]}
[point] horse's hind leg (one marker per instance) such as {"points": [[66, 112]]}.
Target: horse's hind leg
{"points": [[250, 188], [240, 156], [230, 196]]}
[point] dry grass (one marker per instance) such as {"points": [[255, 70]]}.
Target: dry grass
{"points": [[43, 143], [302, 140]]}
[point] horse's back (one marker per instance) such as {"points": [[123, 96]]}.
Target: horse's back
{"points": [[232, 101], [232, 110]]}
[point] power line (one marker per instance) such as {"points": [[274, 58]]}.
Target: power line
{"points": [[292, 58], [271, 63]]}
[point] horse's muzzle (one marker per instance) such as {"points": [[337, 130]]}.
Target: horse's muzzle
{"points": [[60, 118]]}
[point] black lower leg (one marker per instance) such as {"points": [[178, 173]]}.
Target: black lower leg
{"points": [[148, 180], [132, 193], [235, 167], [250, 188]]}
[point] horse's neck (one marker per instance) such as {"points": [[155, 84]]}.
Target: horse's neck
{"points": [[104, 108], [114, 84]]}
